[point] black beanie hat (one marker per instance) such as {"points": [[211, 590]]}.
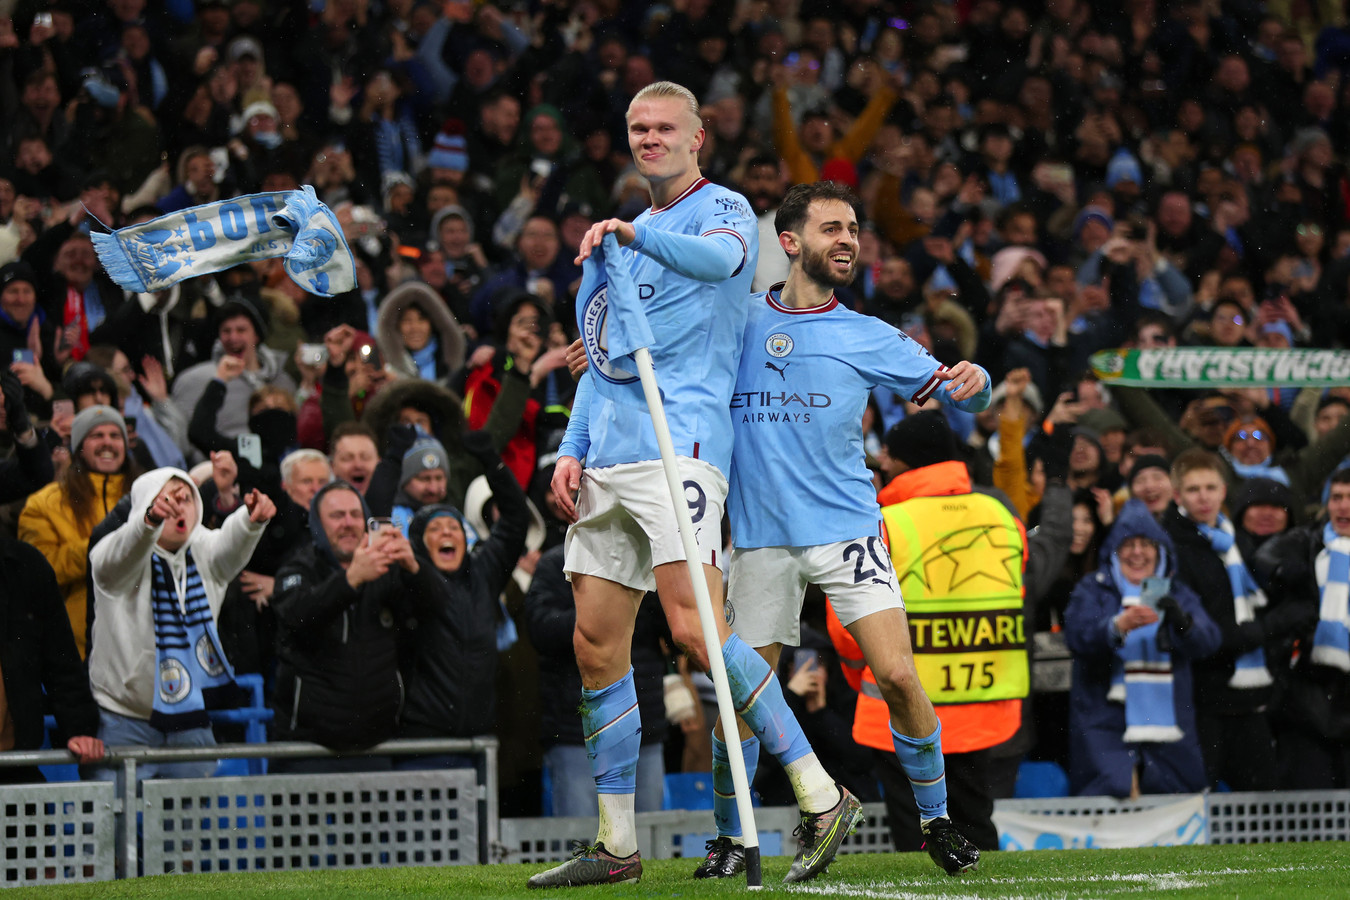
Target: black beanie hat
{"points": [[1260, 492], [237, 304], [1151, 461], [923, 439]]}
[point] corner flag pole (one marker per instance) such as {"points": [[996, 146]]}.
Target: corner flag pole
{"points": [[717, 668]]}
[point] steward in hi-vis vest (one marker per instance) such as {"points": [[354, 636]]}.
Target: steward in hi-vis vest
{"points": [[959, 559]]}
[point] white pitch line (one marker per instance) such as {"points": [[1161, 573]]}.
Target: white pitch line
{"points": [[922, 889]]}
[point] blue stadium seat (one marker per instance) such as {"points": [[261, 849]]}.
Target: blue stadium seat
{"points": [[1041, 779], [688, 790]]}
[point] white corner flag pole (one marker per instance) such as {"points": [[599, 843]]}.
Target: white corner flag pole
{"points": [[717, 668]]}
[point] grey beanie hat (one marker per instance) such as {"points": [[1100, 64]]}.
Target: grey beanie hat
{"points": [[425, 454], [90, 418]]}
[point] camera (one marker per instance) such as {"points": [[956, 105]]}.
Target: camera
{"points": [[313, 354]]}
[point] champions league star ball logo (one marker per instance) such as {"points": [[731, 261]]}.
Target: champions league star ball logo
{"points": [[174, 681], [778, 345], [595, 336]]}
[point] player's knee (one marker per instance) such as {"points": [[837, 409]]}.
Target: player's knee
{"points": [[690, 643], [898, 683], [593, 650]]}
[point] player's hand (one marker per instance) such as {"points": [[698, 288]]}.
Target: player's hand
{"points": [[622, 230], [964, 380], [566, 483], [577, 362]]}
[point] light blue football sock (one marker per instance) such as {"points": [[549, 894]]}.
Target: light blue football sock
{"points": [[758, 698], [725, 813], [613, 730], [921, 758]]}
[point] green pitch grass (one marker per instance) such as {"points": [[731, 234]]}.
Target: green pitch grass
{"points": [[1245, 871]]}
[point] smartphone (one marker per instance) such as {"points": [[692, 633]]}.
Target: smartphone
{"points": [[313, 354], [63, 407], [541, 168], [370, 355], [44, 19], [804, 658], [249, 447], [24, 356], [1154, 588], [375, 524]]}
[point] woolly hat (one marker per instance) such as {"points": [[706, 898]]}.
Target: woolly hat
{"points": [[923, 439], [1151, 461], [17, 271], [1260, 492], [90, 418], [1123, 167], [444, 213], [1093, 213], [238, 305], [424, 455], [450, 151], [85, 378]]}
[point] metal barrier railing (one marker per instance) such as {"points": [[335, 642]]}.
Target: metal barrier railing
{"points": [[129, 757]]}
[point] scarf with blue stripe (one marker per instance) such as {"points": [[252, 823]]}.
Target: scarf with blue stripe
{"points": [[191, 672], [1250, 669], [1142, 674], [1331, 641]]}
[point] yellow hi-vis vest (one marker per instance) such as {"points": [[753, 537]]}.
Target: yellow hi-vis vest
{"points": [[958, 561]]}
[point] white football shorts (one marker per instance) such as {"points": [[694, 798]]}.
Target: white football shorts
{"points": [[626, 526], [764, 596]]}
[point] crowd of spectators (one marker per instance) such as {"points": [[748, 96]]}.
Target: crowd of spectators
{"points": [[1040, 181]]}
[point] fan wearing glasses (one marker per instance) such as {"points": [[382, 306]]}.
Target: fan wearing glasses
{"points": [[1250, 447]]}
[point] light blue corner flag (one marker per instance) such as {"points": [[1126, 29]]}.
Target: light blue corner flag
{"points": [[612, 323]]}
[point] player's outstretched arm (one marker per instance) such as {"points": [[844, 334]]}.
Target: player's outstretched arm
{"points": [[713, 256]]}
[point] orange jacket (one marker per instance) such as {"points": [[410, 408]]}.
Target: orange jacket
{"points": [[966, 727]]}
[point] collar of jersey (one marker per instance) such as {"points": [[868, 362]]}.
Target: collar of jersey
{"points": [[698, 183], [792, 310]]}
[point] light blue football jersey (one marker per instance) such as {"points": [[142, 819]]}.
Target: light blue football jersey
{"points": [[798, 474], [693, 261]]}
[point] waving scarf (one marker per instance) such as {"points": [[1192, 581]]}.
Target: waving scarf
{"points": [[1250, 669]]}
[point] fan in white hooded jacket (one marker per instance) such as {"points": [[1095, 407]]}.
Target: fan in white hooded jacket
{"points": [[122, 661]]}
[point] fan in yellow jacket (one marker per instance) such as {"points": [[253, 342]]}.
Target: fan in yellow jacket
{"points": [[58, 519]]}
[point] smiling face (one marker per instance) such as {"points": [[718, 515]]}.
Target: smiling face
{"points": [[1138, 558], [426, 487], [1201, 492], [827, 246], [664, 136], [1154, 488], [445, 542], [415, 328], [1251, 445], [104, 449], [1083, 528], [177, 531]]}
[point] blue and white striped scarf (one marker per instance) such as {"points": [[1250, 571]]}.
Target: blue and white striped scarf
{"points": [[191, 673], [1141, 676], [1331, 641], [1250, 668]]}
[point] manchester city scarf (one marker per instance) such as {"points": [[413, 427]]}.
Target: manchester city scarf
{"points": [[1145, 675], [1250, 670], [191, 673], [1331, 641], [199, 240]]}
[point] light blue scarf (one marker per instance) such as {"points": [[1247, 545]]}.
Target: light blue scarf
{"points": [[1145, 674], [1331, 641], [192, 674], [1250, 669]]}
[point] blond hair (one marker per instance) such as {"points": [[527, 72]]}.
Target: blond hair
{"points": [[668, 90]]}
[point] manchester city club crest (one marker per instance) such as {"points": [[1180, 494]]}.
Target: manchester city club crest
{"points": [[429, 460], [595, 335], [174, 681], [208, 657], [729, 612], [778, 345]]}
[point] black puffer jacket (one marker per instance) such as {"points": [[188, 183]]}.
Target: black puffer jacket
{"points": [[337, 675], [452, 671]]}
